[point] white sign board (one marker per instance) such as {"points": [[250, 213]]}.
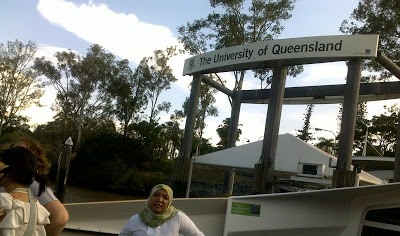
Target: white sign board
{"points": [[294, 51]]}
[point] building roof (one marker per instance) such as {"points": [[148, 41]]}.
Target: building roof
{"points": [[291, 154]]}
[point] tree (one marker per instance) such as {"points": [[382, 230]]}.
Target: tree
{"points": [[236, 26], [205, 108], [83, 95], [161, 77], [20, 86], [383, 131], [174, 136], [328, 145], [305, 134], [223, 131], [377, 17], [128, 89]]}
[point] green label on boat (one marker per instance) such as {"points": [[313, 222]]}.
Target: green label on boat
{"points": [[246, 209]]}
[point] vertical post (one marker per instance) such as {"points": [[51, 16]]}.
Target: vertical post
{"points": [[396, 174], [189, 182], [263, 177], [343, 176], [183, 162], [364, 153], [63, 168], [229, 175], [235, 113]]}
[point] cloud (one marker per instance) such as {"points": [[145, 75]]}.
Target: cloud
{"points": [[48, 52], [122, 34], [324, 74], [126, 36]]}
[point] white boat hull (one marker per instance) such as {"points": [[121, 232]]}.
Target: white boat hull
{"points": [[320, 212]]}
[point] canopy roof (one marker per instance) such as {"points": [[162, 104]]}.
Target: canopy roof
{"points": [[291, 152]]}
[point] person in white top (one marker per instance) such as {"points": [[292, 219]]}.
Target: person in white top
{"points": [[159, 217], [58, 213], [18, 215]]}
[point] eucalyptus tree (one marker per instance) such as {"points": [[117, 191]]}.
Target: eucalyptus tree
{"points": [[234, 23], [174, 136], [223, 131], [128, 90], [161, 77], [375, 17], [80, 82], [383, 131], [205, 108], [20, 86], [239, 22]]}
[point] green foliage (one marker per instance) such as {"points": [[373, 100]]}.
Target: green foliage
{"points": [[174, 135], [238, 22], [160, 79], [223, 133], [205, 108], [383, 131], [120, 164], [305, 134], [128, 90], [377, 17], [133, 91], [206, 147], [328, 145], [374, 17], [92, 162], [81, 85], [152, 137], [20, 86]]}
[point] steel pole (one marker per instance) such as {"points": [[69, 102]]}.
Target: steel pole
{"points": [[63, 168]]}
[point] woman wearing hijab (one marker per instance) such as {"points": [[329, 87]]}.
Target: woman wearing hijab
{"points": [[159, 217]]}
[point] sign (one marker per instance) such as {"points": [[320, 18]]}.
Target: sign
{"points": [[295, 51], [245, 209]]}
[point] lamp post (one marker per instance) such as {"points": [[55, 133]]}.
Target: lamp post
{"points": [[334, 151], [334, 135], [63, 167], [248, 140], [364, 152]]}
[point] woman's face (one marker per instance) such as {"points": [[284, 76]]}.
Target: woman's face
{"points": [[159, 201]]}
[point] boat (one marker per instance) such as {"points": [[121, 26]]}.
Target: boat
{"points": [[342, 209], [363, 210]]}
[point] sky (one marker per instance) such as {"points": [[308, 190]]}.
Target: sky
{"points": [[133, 29]]}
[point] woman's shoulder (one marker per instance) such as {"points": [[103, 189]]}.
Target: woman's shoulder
{"points": [[181, 214], [5, 201], [181, 217], [5, 195], [18, 214], [46, 197], [186, 225], [135, 219]]}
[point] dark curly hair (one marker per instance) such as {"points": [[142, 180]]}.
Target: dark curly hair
{"points": [[22, 167], [37, 150]]}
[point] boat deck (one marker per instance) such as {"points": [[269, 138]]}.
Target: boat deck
{"points": [[339, 212]]}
